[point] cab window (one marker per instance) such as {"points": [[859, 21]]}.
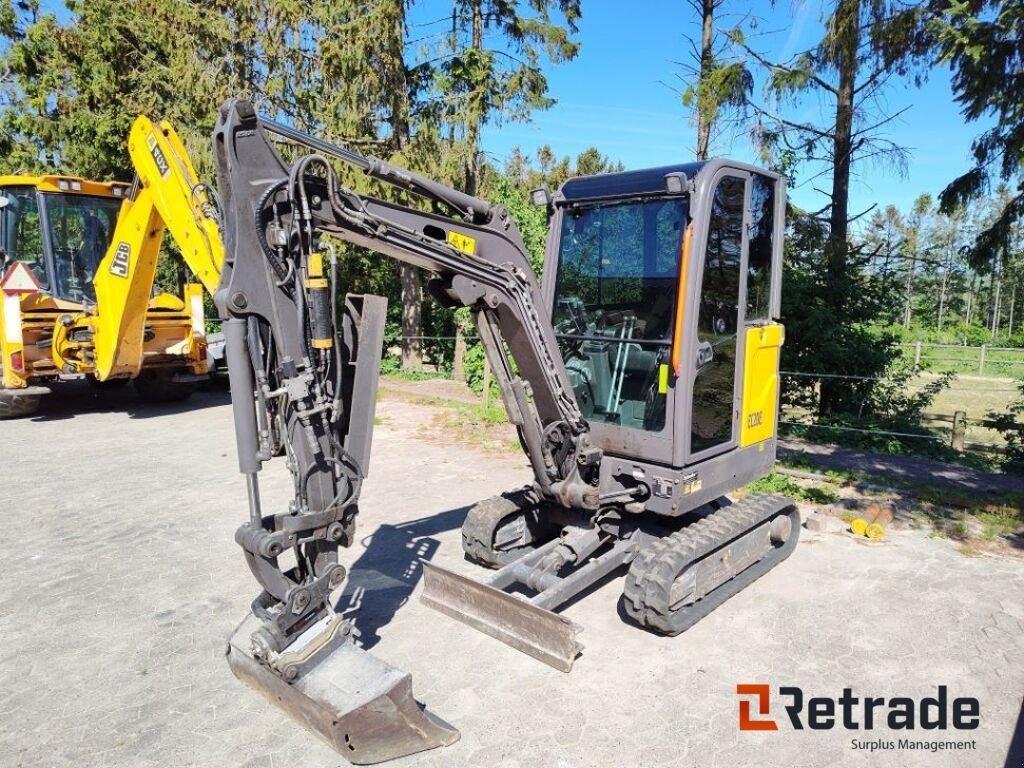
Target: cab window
{"points": [[22, 238], [615, 292], [80, 230]]}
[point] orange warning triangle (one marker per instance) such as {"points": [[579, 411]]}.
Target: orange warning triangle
{"points": [[19, 279]]}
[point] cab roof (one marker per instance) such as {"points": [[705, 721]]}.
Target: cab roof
{"points": [[649, 181], [67, 184]]}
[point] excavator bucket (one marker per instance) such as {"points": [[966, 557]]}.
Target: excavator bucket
{"points": [[360, 706]]}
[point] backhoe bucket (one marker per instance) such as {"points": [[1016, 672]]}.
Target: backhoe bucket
{"points": [[360, 706], [529, 628]]}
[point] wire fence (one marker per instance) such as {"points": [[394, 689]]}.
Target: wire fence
{"points": [[442, 357], [983, 360]]}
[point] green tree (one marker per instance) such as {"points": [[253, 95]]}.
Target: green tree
{"points": [[493, 72], [712, 82], [980, 41], [847, 71]]}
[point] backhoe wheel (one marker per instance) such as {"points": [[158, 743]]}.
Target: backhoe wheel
{"points": [[502, 528], [109, 384], [278, 433], [19, 403], [159, 387]]}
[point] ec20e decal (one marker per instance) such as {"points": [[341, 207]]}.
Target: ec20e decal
{"points": [[119, 266]]}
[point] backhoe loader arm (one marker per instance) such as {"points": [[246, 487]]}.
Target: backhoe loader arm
{"points": [[167, 194], [275, 214]]}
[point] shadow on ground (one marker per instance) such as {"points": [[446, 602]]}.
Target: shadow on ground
{"points": [[72, 398], [385, 575]]}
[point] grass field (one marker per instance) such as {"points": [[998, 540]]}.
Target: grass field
{"points": [[998, 362], [976, 396]]}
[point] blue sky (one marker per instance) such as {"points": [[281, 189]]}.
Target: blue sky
{"points": [[615, 96]]}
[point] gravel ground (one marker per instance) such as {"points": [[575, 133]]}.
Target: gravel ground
{"points": [[123, 582]]}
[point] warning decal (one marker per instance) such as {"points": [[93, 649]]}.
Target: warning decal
{"points": [[464, 243]]}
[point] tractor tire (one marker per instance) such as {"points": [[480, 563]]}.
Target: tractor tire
{"points": [[17, 404], [158, 387], [106, 386]]}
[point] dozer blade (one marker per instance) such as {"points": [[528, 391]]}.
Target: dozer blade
{"points": [[526, 627], [362, 707]]}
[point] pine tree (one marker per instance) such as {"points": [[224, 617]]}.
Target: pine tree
{"points": [[494, 72], [712, 82]]}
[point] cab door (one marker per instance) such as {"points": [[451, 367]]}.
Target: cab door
{"points": [[733, 298], [717, 367]]}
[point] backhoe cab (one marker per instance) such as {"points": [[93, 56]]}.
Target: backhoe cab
{"points": [[642, 380], [77, 265]]}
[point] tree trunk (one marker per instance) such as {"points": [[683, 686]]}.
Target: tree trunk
{"points": [[412, 318], [945, 282], [398, 119], [707, 55], [909, 299], [459, 362], [970, 299], [942, 297], [1013, 303], [476, 110], [995, 295], [847, 30]]}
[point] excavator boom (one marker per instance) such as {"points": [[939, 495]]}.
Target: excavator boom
{"points": [[166, 194]]}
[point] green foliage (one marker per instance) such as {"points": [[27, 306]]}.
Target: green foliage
{"points": [[779, 483], [531, 220], [830, 325], [1011, 425], [980, 42]]}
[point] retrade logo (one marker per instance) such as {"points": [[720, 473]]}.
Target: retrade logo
{"points": [[854, 713], [763, 695]]}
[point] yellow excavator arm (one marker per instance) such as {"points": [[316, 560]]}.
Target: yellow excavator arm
{"points": [[167, 194]]}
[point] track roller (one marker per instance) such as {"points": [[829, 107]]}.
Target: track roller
{"points": [[679, 579]]}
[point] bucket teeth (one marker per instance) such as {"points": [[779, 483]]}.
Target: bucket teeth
{"points": [[526, 627], [360, 706]]}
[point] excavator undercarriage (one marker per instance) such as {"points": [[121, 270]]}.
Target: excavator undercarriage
{"points": [[642, 379]]}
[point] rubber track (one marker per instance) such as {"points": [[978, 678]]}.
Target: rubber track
{"points": [[649, 581], [483, 519]]}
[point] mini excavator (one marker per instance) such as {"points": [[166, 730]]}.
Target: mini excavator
{"points": [[642, 379]]}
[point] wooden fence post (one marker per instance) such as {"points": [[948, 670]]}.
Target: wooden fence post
{"points": [[917, 355], [981, 364], [959, 430]]}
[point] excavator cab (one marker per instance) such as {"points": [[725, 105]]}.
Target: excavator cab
{"points": [[60, 228], [663, 286]]}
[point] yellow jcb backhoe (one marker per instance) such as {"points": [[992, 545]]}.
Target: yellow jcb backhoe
{"points": [[78, 261]]}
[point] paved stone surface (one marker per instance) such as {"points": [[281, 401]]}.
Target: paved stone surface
{"points": [[121, 582]]}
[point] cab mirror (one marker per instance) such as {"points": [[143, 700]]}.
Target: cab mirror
{"points": [[540, 197], [4, 201]]}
